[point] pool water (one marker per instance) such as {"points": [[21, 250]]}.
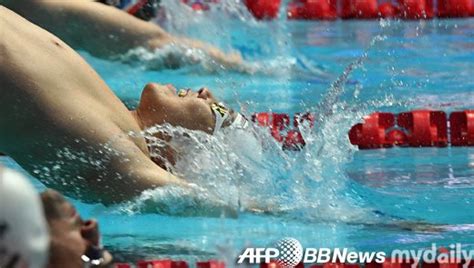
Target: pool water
{"points": [[330, 194]]}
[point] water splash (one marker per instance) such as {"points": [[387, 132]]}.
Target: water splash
{"points": [[269, 56], [252, 174], [249, 172], [199, 61], [224, 11]]}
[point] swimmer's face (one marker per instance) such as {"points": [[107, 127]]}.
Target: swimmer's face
{"points": [[160, 104], [71, 237]]}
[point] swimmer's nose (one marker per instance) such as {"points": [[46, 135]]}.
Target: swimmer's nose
{"points": [[90, 232], [205, 94]]}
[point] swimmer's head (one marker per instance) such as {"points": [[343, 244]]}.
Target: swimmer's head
{"points": [[74, 241], [199, 110]]}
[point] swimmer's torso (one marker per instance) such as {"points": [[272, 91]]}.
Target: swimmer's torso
{"points": [[49, 97]]}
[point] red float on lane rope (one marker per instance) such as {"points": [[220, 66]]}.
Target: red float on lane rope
{"points": [[162, 264], [293, 141], [263, 9], [133, 9], [389, 263], [416, 9], [442, 264], [372, 133], [397, 137], [276, 123], [360, 9], [420, 128], [122, 265], [210, 264], [462, 128], [388, 10], [455, 8], [312, 10], [349, 9], [280, 123], [274, 264], [335, 265], [425, 128], [303, 120]]}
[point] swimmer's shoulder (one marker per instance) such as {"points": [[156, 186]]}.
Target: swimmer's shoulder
{"points": [[7, 14], [21, 41], [7, 19]]}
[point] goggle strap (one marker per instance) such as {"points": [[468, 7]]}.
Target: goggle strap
{"points": [[221, 113]]}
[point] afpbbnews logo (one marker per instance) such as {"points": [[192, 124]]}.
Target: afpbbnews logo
{"points": [[325, 255], [289, 252]]}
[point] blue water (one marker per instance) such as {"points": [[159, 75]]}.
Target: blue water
{"points": [[332, 194]]}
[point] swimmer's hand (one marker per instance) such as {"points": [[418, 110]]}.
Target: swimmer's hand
{"points": [[406, 225], [263, 208], [189, 201], [232, 61], [420, 226], [218, 60], [211, 205], [398, 224]]}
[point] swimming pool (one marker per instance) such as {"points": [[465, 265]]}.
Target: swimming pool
{"points": [[332, 194]]}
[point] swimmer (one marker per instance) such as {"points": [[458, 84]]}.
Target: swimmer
{"points": [[104, 31], [44, 231], [64, 125], [24, 236], [74, 242]]}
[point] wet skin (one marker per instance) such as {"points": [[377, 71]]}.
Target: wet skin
{"points": [[64, 125], [105, 31], [71, 236]]}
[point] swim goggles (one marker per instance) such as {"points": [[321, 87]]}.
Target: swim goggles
{"points": [[183, 92], [222, 113]]}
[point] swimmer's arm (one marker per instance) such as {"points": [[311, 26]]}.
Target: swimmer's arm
{"points": [[106, 31], [100, 29], [195, 200], [135, 172]]}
